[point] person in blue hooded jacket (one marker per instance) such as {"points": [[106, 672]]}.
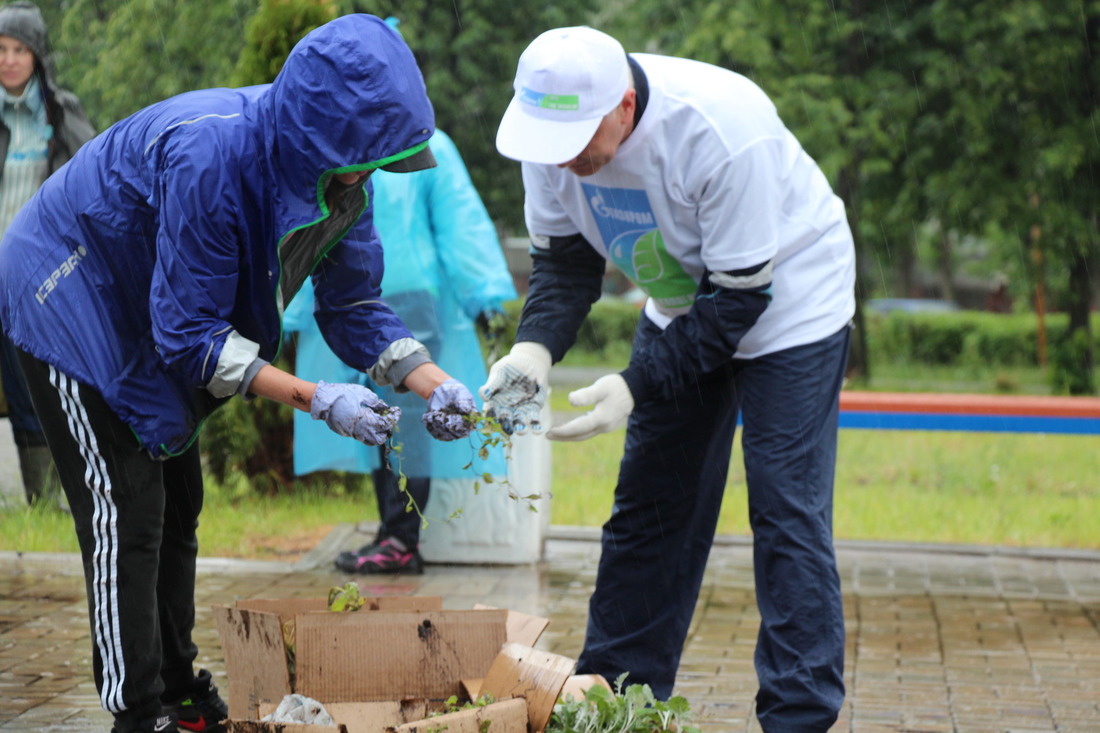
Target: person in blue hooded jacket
{"points": [[144, 285], [445, 272]]}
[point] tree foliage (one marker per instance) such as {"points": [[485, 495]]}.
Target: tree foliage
{"points": [[975, 118], [121, 55], [938, 122], [467, 51], [272, 32]]}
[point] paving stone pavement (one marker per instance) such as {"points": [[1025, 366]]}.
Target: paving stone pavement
{"points": [[961, 639]]}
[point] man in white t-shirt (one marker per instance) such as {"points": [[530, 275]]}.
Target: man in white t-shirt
{"points": [[683, 176]]}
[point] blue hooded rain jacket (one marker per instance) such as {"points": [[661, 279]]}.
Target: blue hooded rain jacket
{"points": [[154, 266]]}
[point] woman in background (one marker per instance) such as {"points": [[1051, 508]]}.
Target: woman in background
{"points": [[41, 126]]}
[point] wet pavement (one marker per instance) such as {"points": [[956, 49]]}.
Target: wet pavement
{"points": [[940, 638]]}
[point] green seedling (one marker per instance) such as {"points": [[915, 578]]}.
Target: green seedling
{"points": [[345, 599], [630, 710]]}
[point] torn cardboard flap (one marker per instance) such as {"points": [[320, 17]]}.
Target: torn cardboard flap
{"points": [[577, 685], [252, 639], [508, 716], [532, 674], [523, 628], [255, 658]]}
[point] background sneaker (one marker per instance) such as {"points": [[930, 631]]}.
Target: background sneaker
{"points": [[386, 556], [346, 560]]}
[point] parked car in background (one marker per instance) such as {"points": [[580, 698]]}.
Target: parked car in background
{"points": [[910, 305]]}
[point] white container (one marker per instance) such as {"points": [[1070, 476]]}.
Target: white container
{"points": [[489, 526]]}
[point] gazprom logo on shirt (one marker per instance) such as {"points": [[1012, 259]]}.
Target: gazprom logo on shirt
{"points": [[561, 102], [635, 244], [601, 208], [618, 210]]}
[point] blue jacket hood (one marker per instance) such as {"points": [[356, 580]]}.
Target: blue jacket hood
{"points": [[350, 97]]}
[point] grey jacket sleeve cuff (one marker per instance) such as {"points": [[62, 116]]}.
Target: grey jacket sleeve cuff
{"points": [[237, 355], [249, 374], [400, 358]]}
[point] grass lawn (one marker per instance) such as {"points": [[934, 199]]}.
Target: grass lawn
{"points": [[970, 488], [1011, 489]]}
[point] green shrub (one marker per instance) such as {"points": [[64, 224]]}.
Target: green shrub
{"points": [[935, 340], [1071, 365], [966, 338], [607, 333], [1005, 341], [253, 439], [610, 322], [250, 446]]}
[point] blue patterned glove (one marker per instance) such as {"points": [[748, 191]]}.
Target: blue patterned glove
{"points": [[354, 411], [449, 406]]}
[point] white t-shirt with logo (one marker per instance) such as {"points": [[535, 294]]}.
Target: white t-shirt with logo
{"points": [[710, 179]]}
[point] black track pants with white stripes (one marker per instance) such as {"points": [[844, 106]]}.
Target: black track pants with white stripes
{"points": [[135, 519]]}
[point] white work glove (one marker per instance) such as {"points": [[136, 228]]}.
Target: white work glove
{"points": [[297, 708], [517, 388], [613, 405], [354, 411]]}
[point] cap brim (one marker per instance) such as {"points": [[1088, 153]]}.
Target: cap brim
{"points": [[415, 162], [533, 140]]}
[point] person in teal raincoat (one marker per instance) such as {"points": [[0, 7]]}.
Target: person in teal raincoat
{"points": [[444, 273]]}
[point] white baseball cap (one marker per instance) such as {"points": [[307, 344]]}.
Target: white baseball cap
{"points": [[568, 79]]}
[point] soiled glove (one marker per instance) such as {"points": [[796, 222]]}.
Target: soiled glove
{"points": [[354, 411], [613, 404], [517, 388], [449, 406]]}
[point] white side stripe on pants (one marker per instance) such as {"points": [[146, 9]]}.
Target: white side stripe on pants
{"points": [[104, 528]]}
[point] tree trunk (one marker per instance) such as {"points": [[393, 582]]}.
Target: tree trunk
{"points": [[946, 267], [859, 362], [1078, 302], [855, 65]]}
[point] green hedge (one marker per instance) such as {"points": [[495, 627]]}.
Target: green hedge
{"points": [[966, 338], [605, 335]]}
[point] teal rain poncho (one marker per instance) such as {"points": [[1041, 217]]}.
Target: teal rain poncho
{"points": [[443, 266]]}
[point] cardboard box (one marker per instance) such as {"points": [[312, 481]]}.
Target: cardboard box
{"points": [[389, 666]]}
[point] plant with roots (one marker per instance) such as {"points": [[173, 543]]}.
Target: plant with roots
{"points": [[485, 435]]}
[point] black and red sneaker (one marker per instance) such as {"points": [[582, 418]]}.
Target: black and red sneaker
{"points": [[163, 722], [203, 710]]}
